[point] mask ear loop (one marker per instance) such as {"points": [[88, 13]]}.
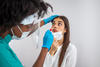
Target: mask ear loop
{"points": [[19, 29], [12, 31]]}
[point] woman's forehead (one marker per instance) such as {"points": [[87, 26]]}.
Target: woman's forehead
{"points": [[58, 20]]}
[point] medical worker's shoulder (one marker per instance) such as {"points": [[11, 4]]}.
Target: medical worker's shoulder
{"points": [[2, 47]]}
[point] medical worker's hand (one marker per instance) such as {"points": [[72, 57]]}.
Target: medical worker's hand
{"points": [[49, 19], [48, 40]]}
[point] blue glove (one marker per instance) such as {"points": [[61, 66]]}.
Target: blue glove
{"points": [[48, 39], [49, 19]]}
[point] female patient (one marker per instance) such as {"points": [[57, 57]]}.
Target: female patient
{"points": [[62, 53], [57, 51]]}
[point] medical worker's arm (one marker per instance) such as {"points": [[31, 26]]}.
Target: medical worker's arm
{"points": [[43, 22], [41, 58], [47, 42], [47, 20], [72, 57]]}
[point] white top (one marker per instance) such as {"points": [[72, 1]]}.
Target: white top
{"points": [[68, 61]]}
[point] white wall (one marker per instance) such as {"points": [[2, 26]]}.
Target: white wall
{"points": [[84, 17]]}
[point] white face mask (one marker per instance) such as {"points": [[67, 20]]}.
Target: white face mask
{"points": [[28, 20], [24, 34], [57, 35]]}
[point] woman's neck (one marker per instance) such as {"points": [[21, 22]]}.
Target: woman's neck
{"points": [[55, 46]]}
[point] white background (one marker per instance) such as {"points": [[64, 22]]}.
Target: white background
{"points": [[84, 18]]}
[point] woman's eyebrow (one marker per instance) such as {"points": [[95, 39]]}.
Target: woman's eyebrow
{"points": [[60, 21]]}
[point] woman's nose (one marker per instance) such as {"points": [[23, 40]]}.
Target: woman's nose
{"points": [[55, 26]]}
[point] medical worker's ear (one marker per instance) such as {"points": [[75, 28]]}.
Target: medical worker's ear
{"points": [[16, 31]]}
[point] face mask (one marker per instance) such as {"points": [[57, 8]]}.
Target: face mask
{"points": [[28, 20], [57, 35], [24, 34]]}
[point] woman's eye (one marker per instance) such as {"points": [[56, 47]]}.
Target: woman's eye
{"points": [[59, 24]]}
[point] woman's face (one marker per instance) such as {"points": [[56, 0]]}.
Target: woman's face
{"points": [[58, 25]]}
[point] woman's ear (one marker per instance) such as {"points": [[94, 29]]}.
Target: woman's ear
{"points": [[65, 30]]}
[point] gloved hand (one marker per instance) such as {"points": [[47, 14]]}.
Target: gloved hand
{"points": [[48, 39], [49, 19]]}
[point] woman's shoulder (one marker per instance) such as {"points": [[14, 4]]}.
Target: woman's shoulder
{"points": [[71, 48]]}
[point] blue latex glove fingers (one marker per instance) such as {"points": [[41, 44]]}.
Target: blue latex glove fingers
{"points": [[48, 39], [49, 19]]}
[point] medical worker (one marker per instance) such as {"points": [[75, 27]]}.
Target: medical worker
{"points": [[17, 19]]}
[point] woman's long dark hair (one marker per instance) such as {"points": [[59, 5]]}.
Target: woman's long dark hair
{"points": [[66, 39]]}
